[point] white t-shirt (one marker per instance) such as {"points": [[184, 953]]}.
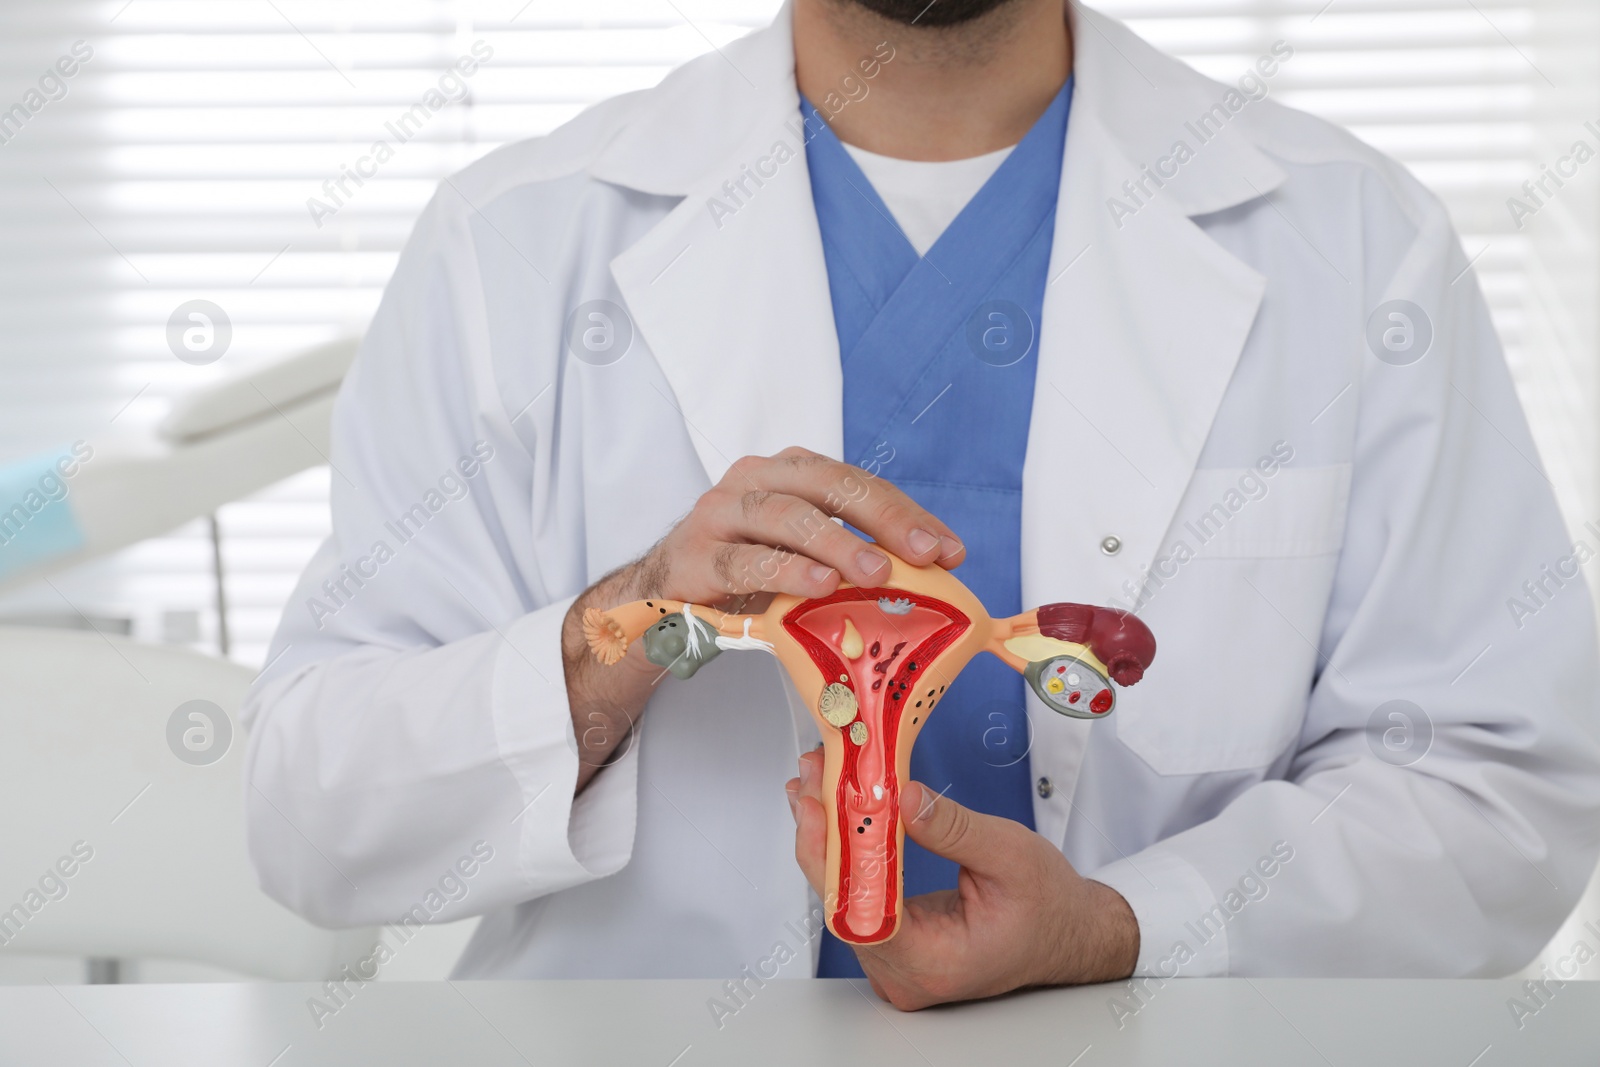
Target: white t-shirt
{"points": [[924, 198]]}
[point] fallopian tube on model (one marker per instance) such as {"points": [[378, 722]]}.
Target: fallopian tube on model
{"points": [[872, 664]]}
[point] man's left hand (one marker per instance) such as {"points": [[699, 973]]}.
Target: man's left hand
{"points": [[1019, 915]]}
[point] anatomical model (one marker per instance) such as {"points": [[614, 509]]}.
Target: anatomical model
{"points": [[872, 664]]}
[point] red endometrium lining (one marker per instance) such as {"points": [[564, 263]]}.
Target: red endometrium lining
{"points": [[888, 682]]}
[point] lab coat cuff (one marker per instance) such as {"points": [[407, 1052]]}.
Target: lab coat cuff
{"points": [[1173, 904], [563, 841]]}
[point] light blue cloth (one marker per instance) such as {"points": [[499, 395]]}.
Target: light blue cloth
{"points": [[939, 356], [36, 518]]}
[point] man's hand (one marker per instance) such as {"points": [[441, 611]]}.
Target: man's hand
{"points": [[1019, 916], [765, 528]]}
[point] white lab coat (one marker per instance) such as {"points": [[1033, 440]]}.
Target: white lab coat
{"points": [[1182, 343]]}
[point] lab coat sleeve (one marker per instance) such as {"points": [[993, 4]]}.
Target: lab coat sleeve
{"points": [[413, 716], [1460, 854]]}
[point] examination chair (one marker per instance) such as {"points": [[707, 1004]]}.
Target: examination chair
{"points": [[106, 771]]}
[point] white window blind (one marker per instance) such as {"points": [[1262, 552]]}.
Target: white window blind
{"points": [[180, 161], [178, 166], [1473, 96]]}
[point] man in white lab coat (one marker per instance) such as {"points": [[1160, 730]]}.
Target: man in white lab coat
{"points": [[1269, 413]]}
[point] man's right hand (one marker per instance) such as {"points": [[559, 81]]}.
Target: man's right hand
{"points": [[765, 528]]}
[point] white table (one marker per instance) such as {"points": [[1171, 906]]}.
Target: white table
{"points": [[816, 1024]]}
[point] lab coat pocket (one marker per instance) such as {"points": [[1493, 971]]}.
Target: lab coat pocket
{"points": [[1236, 597]]}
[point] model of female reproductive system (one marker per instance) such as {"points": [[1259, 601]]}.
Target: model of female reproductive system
{"points": [[872, 664]]}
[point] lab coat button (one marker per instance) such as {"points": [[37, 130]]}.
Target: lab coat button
{"points": [[1046, 788], [1111, 545]]}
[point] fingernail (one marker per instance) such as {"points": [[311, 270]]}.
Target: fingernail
{"points": [[794, 807], [818, 573], [949, 546], [805, 772], [870, 562], [923, 805], [921, 541]]}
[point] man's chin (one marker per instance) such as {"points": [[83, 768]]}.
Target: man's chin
{"points": [[937, 13]]}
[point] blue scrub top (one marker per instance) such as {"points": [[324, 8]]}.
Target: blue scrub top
{"points": [[939, 355]]}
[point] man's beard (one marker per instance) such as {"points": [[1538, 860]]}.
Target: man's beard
{"points": [[937, 13]]}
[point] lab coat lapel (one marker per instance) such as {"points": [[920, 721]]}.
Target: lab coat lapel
{"points": [[730, 292], [1144, 320], [1142, 327]]}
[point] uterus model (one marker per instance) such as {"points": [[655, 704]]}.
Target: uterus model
{"points": [[872, 664]]}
